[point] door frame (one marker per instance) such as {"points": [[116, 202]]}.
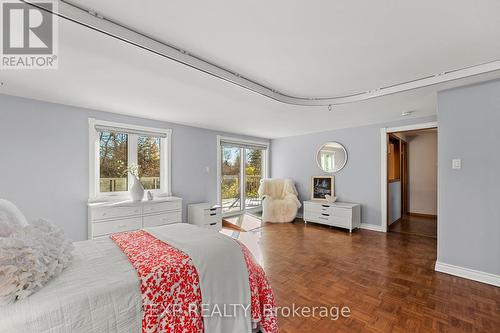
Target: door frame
{"points": [[383, 163], [265, 169]]}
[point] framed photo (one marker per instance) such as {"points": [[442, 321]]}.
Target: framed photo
{"points": [[321, 186]]}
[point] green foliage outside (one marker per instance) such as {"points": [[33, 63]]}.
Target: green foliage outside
{"points": [[231, 172], [113, 151]]}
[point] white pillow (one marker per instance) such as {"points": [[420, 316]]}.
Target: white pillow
{"points": [[30, 257], [11, 218]]}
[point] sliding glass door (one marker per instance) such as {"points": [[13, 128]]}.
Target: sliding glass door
{"points": [[231, 179], [242, 168], [253, 175]]}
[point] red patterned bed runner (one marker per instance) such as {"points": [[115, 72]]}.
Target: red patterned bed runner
{"points": [[170, 286], [263, 304]]}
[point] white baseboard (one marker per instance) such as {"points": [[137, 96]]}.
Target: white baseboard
{"points": [[372, 227], [468, 273]]}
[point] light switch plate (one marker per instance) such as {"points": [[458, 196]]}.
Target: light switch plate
{"points": [[456, 164]]}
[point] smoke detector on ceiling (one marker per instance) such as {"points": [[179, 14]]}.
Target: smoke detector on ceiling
{"points": [[407, 113]]}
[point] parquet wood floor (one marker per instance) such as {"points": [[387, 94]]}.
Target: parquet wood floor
{"points": [[387, 280]]}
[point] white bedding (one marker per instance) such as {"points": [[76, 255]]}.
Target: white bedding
{"points": [[99, 292]]}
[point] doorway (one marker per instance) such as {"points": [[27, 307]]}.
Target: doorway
{"points": [[412, 182], [242, 164]]}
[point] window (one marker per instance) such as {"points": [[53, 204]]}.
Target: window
{"points": [[113, 162], [114, 148], [148, 159]]}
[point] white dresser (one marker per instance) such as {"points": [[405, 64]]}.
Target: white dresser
{"points": [[338, 214], [106, 218], [205, 215]]}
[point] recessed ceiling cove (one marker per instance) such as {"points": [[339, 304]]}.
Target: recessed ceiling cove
{"points": [[395, 47], [260, 41]]}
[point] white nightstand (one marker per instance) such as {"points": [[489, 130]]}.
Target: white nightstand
{"points": [[205, 215]]}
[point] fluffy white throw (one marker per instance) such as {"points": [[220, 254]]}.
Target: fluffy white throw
{"points": [[279, 200], [11, 218], [30, 257]]}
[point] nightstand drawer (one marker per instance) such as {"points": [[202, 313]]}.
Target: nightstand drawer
{"points": [[111, 227], [162, 207], [162, 219], [106, 213], [217, 226], [212, 211]]}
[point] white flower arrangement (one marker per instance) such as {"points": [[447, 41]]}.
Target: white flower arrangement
{"points": [[133, 169]]}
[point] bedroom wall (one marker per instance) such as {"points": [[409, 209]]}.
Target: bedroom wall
{"points": [[295, 158], [422, 173], [394, 201], [44, 160], [469, 209]]}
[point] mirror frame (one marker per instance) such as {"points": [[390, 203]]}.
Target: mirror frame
{"points": [[345, 160]]}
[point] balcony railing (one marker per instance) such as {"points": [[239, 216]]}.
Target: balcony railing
{"points": [[230, 190], [120, 184]]}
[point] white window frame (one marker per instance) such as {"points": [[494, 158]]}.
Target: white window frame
{"points": [[94, 163], [265, 169]]}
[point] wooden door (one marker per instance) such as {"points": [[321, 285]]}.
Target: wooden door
{"points": [[404, 178]]}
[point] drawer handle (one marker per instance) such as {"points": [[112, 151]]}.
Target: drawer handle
{"points": [[213, 223], [325, 214], [213, 209], [327, 206], [213, 214]]}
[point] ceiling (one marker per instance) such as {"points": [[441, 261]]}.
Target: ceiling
{"points": [[313, 48]]}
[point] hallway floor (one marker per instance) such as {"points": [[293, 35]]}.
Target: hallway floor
{"points": [[416, 225]]}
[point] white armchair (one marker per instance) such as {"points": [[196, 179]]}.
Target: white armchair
{"points": [[279, 200]]}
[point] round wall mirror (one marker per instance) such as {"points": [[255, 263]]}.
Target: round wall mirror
{"points": [[332, 157]]}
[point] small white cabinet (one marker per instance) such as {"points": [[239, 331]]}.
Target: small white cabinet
{"points": [[338, 214], [205, 215], [105, 218]]}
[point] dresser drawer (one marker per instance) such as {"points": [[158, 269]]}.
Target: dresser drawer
{"points": [[162, 207], [105, 213], [340, 222], [318, 207], [162, 219], [316, 216], [111, 227], [343, 213]]}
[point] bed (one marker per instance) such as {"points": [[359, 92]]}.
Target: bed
{"points": [[102, 290]]}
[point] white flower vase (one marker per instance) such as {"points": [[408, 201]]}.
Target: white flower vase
{"points": [[137, 190]]}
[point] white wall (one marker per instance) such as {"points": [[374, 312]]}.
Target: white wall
{"points": [[422, 172], [44, 160], [394, 202], [469, 198]]}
